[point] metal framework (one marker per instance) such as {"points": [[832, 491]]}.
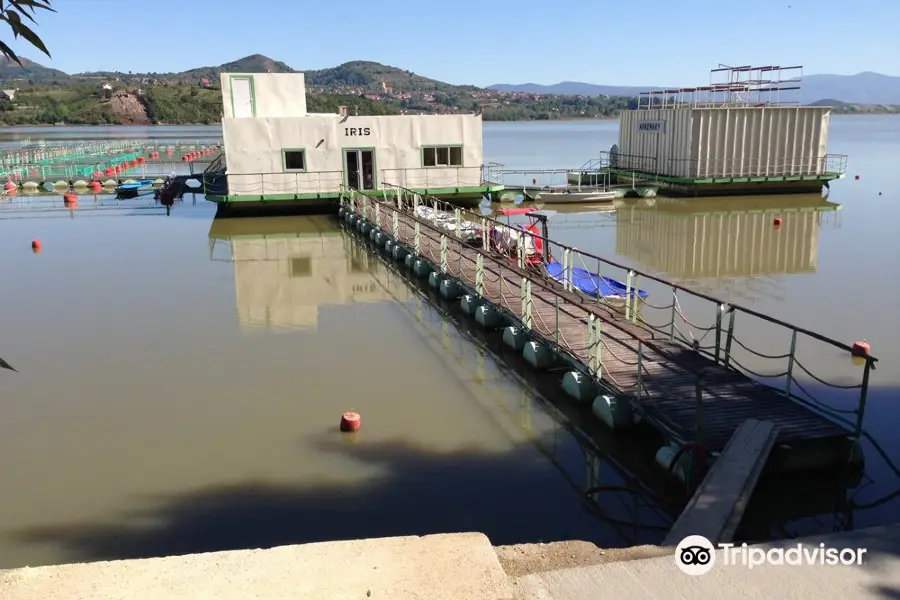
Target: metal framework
{"points": [[732, 86]]}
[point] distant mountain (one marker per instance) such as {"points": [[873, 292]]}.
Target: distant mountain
{"points": [[30, 70], [573, 88], [366, 74], [862, 88]]}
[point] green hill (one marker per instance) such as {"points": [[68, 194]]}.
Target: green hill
{"points": [[29, 71]]}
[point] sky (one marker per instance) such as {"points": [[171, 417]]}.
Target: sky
{"points": [[645, 43]]}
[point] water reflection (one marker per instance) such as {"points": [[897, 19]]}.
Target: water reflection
{"points": [[286, 268], [698, 238]]}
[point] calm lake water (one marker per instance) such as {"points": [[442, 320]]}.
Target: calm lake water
{"points": [[181, 380]]}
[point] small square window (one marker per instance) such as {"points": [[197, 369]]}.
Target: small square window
{"points": [[294, 160], [301, 266], [442, 156]]}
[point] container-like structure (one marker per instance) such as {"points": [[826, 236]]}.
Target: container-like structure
{"points": [[277, 151], [735, 136]]}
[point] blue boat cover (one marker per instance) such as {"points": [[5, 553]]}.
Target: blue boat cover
{"points": [[135, 186], [590, 283]]}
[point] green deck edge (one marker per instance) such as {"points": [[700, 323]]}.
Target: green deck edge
{"points": [[456, 191], [830, 176]]}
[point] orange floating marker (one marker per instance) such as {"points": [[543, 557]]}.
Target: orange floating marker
{"points": [[350, 421], [776, 221], [36, 244], [861, 348]]}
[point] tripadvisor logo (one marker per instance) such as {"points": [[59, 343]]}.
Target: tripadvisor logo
{"points": [[696, 555]]}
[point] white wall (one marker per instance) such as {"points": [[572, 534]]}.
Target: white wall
{"points": [[274, 94], [655, 140], [254, 151], [759, 142]]}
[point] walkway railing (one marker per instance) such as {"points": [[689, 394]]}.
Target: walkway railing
{"points": [[441, 177], [690, 168], [732, 336]]}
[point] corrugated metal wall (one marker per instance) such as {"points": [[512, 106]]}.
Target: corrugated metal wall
{"points": [[655, 141], [699, 246], [758, 142]]}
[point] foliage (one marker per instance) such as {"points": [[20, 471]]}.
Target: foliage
{"points": [[12, 12]]}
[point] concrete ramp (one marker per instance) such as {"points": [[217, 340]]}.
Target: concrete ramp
{"points": [[460, 566]]}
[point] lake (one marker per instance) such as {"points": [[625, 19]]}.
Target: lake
{"points": [[180, 380]]}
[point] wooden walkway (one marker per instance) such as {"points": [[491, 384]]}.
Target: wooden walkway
{"points": [[670, 369]]}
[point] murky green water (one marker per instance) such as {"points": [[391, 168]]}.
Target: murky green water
{"points": [[180, 381]]}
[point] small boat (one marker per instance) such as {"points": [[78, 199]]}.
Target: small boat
{"points": [[592, 284], [576, 197], [131, 190]]}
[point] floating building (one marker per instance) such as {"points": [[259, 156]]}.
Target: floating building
{"points": [[746, 132], [276, 151]]}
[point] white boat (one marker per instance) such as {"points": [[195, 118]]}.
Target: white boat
{"points": [[583, 197]]}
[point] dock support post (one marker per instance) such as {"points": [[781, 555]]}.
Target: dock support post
{"points": [[720, 310], [567, 270], [485, 236], [729, 335], [790, 368], [525, 291], [634, 297], [863, 393], [674, 311], [640, 372], [378, 216], [520, 251], [399, 198], [628, 287], [479, 275], [443, 253], [396, 227], [594, 363], [416, 240], [457, 215]]}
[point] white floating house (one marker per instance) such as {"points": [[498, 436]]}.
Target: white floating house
{"points": [[277, 151], [731, 137]]}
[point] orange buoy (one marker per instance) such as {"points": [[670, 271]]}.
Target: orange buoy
{"points": [[70, 198], [350, 421], [10, 186], [36, 244], [861, 348], [185, 158], [776, 221], [534, 182]]}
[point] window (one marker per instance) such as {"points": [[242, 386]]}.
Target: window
{"points": [[442, 156], [301, 266], [294, 160]]}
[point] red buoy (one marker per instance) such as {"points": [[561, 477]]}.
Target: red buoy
{"points": [[36, 244], [9, 186], [185, 158], [70, 198], [861, 348], [141, 160], [856, 177], [110, 172], [776, 221], [350, 421]]}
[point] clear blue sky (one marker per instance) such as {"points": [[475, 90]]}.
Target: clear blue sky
{"points": [[649, 42]]}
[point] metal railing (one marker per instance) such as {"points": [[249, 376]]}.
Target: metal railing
{"points": [[422, 178], [815, 165], [726, 335]]}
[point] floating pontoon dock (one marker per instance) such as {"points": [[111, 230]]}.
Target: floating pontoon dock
{"points": [[683, 377]]}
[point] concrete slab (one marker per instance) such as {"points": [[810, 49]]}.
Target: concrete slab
{"points": [[651, 579], [458, 566]]}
